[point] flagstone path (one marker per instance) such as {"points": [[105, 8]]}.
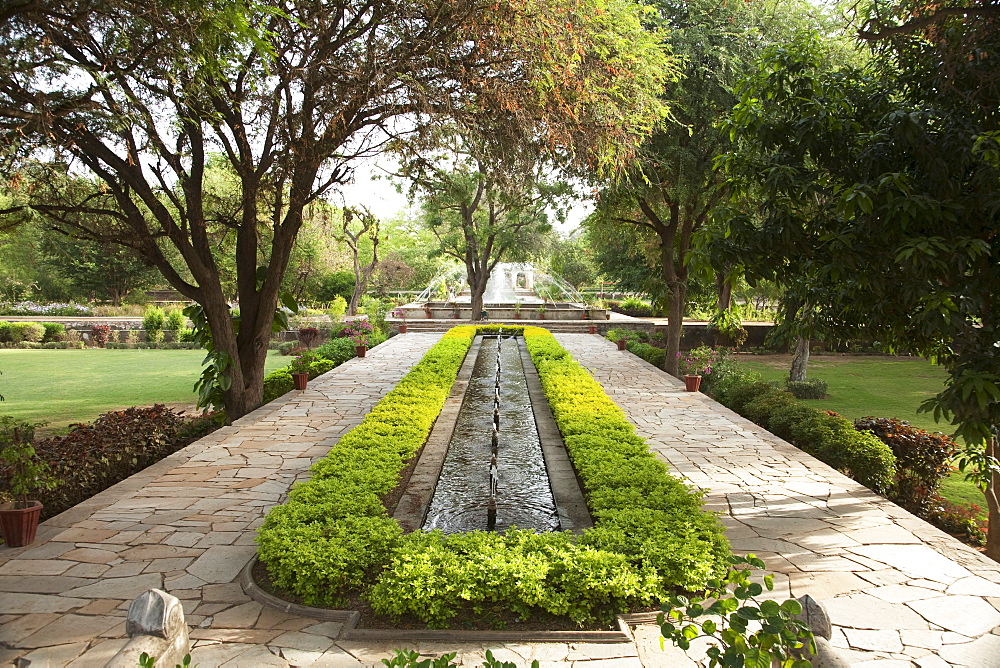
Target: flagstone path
{"points": [[900, 592]]}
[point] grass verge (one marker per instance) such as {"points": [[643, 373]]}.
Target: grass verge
{"points": [[63, 387]]}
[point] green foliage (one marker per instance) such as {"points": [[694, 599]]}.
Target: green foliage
{"points": [[661, 542], [24, 471], [407, 658], [338, 284], [342, 498], [828, 437], [338, 307], [965, 520], [922, 460], [54, 331], [650, 353], [147, 661], [777, 638], [813, 388], [174, 320], [21, 332], [153, 322]]}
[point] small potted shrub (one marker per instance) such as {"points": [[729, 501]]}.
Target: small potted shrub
{"points": [[300, 368], [359, 331], [517, 310], [27, 474], [622, 343], [541, 312]]}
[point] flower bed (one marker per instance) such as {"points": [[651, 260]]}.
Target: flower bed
{"points": [[334, 538]]}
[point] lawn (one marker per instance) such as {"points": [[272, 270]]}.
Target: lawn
{"points": [[66, 386], [861, 385]]}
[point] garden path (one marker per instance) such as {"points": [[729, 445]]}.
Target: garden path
{"points": [[895, 587], [899, 591]]}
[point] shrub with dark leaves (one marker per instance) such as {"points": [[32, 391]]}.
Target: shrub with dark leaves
{"points": [[959, 519], [922, 460], [100, 335], [309, 336], [91, 458], [813, 388]]}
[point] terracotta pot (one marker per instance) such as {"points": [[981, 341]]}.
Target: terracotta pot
{"points": [[402, 328], [592, 329], [361, 350], [300, 379], [541, 316], [607, 315], [584, 315], [621, 344], [517, 315], [18, 525], [692, 383], [429, 314]]}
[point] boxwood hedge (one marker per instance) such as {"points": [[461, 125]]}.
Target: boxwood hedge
{"points": [[334, 536]]}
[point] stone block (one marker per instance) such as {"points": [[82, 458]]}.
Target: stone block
{"points": [[156, 626]]}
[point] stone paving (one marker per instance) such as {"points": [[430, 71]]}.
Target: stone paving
{"points": [[900, 592]]}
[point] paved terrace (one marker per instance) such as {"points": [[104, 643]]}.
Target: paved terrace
{"points": [[900, 592]]}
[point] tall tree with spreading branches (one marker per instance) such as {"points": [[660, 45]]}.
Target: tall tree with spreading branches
{"points": [[904, 158], [291, 94]]}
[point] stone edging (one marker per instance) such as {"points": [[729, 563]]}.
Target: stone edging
{"points": [[350, 619]]}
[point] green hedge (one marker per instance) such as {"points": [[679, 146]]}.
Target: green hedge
{"points": [[828, 437], [329, 356], [333, 535]]}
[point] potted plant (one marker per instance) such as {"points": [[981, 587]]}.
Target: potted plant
{"points": [[517, 310], [300, 368], [622, 343], [695, 364], [592, 329], [541, 312], [27, 474], [360, 332], [401, 314]]}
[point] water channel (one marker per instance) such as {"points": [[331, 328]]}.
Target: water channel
{"points": [[494, 474]]}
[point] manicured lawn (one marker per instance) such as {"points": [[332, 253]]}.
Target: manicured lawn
{"points": [[861, 385], [66, 386]]}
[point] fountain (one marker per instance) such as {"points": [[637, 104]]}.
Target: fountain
{"points": [[511, 288], [494, 474]]}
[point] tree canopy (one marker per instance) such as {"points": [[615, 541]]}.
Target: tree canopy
{"points": [[880, 188], [140, 96]]}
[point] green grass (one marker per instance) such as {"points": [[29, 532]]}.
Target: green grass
{"points": [[861, 385], [865, 385], [66, 386]]}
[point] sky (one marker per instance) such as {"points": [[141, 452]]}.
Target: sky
{"points": [[382, 199]]}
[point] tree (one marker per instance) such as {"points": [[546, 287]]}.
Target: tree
{"points": [[903, 247], [571, 259], [487, 201], [290, 94], [671, 188], [367, 229]]}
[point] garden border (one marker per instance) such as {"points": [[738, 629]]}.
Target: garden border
{"points": [[648, 540]]}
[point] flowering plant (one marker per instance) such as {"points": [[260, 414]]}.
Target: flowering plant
{"points": [[699, 361], [302, 363], [399, 313], [359, 331]]}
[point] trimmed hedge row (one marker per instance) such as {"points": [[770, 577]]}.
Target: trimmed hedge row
{"points": [[826, 436], [650, 536]]}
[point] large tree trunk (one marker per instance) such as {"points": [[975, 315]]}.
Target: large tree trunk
{"points": [[675, 327], [993, 505], [799, 361]]}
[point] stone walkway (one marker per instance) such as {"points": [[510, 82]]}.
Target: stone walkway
{"points": [[900, 592]]}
